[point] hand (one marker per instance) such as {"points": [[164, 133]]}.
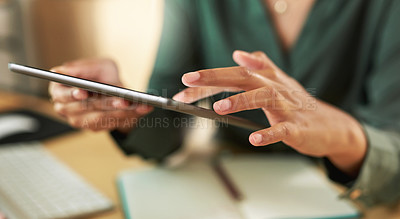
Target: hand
{"points": [[301, 121], [93, 111]]}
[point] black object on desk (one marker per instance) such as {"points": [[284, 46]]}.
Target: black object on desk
{"points": [[25, 125]]}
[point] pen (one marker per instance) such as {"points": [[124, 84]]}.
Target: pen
{"points": [[229, 185]]}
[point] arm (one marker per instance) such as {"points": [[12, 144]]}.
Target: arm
{"points": [[311, 126], [306, 124], [379, 177], [160, 133], [156, 135]]}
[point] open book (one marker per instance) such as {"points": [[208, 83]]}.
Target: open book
{"points": [[259, 187]]}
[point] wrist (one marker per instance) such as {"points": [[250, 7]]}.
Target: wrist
{"points": [[351, 153]]}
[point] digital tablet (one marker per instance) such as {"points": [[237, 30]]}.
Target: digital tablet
{"points": [[134, 96]]}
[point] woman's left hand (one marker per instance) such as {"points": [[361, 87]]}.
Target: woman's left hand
{"points": [[298, 119]]}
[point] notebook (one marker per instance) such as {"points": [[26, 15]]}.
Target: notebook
{"points": [[267, 186]]}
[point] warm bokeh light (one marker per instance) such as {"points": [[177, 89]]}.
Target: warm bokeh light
{"points": [[54, 32]]}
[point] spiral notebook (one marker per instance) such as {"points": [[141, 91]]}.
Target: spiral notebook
{"points": [[259, 187]]}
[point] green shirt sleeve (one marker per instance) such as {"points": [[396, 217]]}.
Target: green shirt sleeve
{"points": [[161, 132], [379, 178]]}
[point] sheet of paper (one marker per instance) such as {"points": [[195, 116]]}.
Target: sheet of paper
{"points": [[284, 186]]}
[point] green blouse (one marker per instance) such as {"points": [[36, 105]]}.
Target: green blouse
{"points": [[347, 54]]}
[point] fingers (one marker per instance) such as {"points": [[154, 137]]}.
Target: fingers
{"points": [[70, 70], [101, 113], [102, 70], [85, 68], [254, 61], [104, 120], [238, 77], [84, 109], [99, 104], [61, 93], [108, 120], [266, 97], [259, 61], [193, 94], [91, 104], [276, 133]]}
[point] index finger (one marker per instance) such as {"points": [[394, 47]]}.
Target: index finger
{"points": [[239, 77]]}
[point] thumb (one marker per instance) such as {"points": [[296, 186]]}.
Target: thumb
{"points": [[67, 70], [253, 61]]}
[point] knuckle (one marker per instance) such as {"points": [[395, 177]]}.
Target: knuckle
{"points": [[59, 108], [268, 93], [290, 131], [242, 101], [261, 96], [271, 73], [286, 131], [275, 94], [245, 72]]}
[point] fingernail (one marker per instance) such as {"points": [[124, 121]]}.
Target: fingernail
{"points": [[142, 109], [58, 69], [223, 105], [78, 94], [191, 77], [117, 104], [241, 52], [75, 93], [257, 138], [247, 54], [179, 96]]}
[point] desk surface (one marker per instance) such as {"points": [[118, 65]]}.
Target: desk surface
{"points": [[96, 158], [92, 155]]}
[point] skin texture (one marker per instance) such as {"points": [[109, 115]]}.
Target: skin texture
{"points": [[93, 111], [308, 125]]}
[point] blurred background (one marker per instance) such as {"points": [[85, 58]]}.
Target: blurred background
{"points": [[46, 33]]}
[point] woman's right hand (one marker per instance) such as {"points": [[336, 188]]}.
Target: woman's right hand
{"points": [[93, 111]]}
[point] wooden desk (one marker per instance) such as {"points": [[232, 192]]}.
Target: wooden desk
{"points": [[94, 156], [97, 159]]}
